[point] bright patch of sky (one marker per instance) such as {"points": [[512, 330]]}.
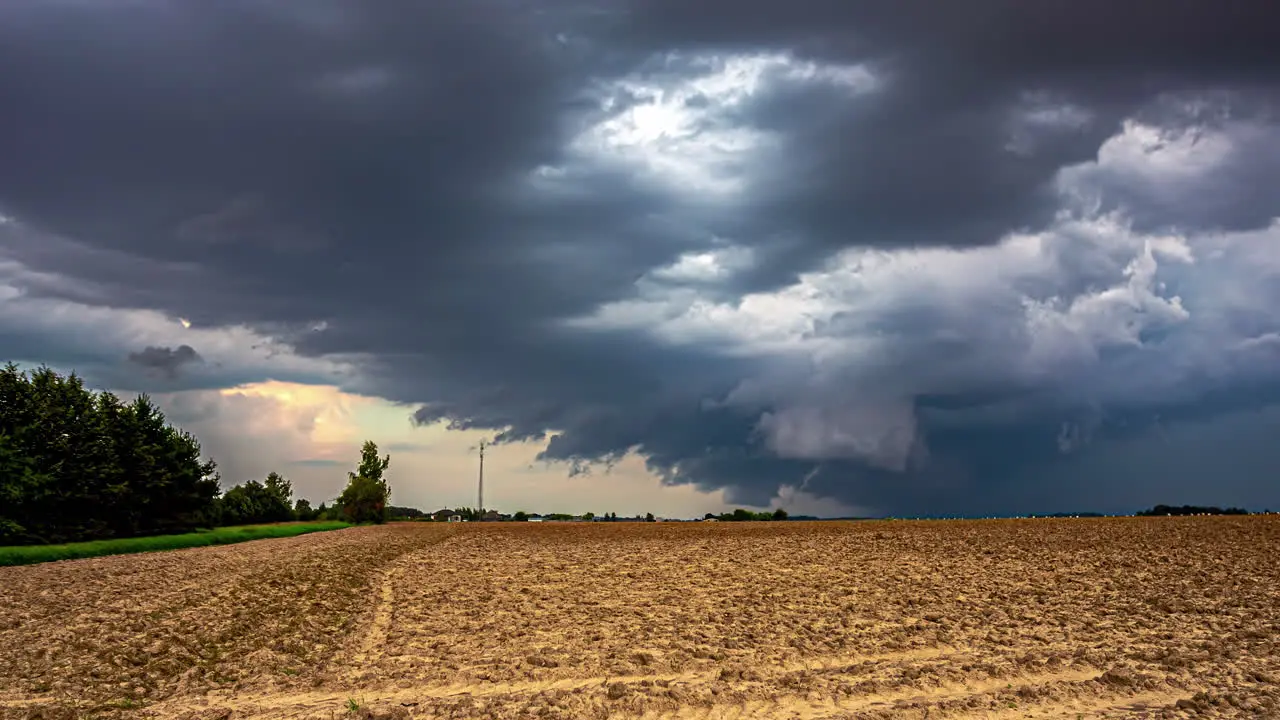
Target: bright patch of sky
{"points": [[687, 130]]}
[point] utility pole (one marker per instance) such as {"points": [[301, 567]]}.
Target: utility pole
{"points": [[480, 502]]}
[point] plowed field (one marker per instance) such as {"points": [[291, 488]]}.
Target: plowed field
{"points": [[1163, 617]]}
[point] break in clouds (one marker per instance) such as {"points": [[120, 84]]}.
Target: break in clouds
{"points": [[908, 257]]}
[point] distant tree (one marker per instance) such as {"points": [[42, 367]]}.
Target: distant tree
{"points": [[1160, 510], [709, 516], [241, 504], [279, 488], [520, 516], [648, 517], [779, 514], [257, 502], [744, 515], [588, 516], [366, 496], [302, 510], [404, 513]]}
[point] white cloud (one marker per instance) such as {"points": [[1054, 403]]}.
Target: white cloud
{"points": [[1172, 174], [879, 431], [685, 130], [99, 338], [312, 435], [291, 428], [708, 266], [1157, 155], [1089, 313]]}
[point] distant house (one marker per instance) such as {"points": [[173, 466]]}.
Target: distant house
{"points": [[535, 519], [455, 518], [491, 516], [443, 515]]}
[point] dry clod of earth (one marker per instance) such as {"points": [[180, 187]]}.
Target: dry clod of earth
{"points": [[1139, 618]]}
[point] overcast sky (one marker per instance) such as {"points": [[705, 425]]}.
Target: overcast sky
{"points": [[832, 255]]}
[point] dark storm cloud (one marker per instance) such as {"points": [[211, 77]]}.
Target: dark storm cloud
{"points": [[938, 136], [167, 361], [371, 166]]}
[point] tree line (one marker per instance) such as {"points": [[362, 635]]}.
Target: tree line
{"points": [[743, 515], [78, 464], [1164, 510]]}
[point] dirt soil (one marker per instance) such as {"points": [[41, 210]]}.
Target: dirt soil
{"points": [[1072, 618]]}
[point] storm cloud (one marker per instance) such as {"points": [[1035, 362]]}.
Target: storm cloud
{"points": [[165, 360], [909, 257]]}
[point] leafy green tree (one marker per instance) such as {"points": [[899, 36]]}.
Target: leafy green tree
{"points": [[18, 483], [520, 516], [280, 488], [744, 515], [242, 504], [648, 517], [80, 465], [302, 510], [367, 494], [363, 500], [588, 516], [371, 466]]}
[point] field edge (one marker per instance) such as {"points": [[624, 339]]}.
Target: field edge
{"points": [[16, 555]]}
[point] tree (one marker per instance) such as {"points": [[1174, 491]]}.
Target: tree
{"points": [[648, 517], [367, 493], [256, 502], [279, 488], [588, 516], [363, 500], [302, 509], [371, 466], [520, 516], [81, 465], [744, 515]]}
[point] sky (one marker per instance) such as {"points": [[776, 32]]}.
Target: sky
{"points": [[837, 256]]}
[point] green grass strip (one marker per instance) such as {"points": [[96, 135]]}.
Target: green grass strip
{"points": [[30, 554]]}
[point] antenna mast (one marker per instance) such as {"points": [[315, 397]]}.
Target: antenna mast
{"points": [[480, 501]]}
